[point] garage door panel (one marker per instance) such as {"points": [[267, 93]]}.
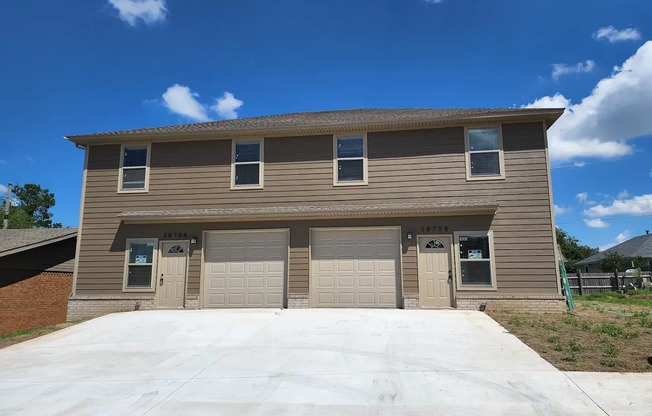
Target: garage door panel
{"points": [[354, 268], [245, 269]]}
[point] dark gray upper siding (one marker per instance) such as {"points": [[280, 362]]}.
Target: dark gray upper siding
{"points": [[403, 166]]}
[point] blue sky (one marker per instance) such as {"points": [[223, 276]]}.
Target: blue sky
{"points": [[100, 65]]}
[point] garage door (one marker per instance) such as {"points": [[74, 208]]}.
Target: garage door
{"points": [[245, 269], [354, 268]]}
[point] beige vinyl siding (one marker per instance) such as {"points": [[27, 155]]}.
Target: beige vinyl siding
{"points": [[403, 165]]}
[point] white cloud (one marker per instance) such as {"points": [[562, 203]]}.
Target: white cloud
{"points": [[639, 205], [3, 189], [579, 68], [614, 35], [624, 194], [181, 100], [616, 110], [227, 105], [579, 164], [433, 1], [620, 238], [582, 197], [559, 210], [596, 223], [148, 11]]}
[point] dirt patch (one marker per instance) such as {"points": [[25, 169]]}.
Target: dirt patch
{"points": [[597, 336], [21, 336]]}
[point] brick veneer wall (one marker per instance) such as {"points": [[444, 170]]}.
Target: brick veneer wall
{"points": [[34, 302], [526, 303]]}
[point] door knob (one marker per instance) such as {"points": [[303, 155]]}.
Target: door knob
{"points": [[450, 276], [161, 281]]}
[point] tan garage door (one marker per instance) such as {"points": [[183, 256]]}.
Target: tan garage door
{"points": [[354, 268], [245, 269]]}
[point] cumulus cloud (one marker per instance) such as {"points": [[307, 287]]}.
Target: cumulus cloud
{"points": [[147, 11], [623, 194], [596, 223], [579, 68], [620, 238], [559, 210], [582, 197], [183, 101], [227, 105], [638, 205], [616, 110], [614, 35]]}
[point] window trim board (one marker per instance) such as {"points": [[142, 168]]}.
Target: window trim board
{"points": [[458, 262], [261, 163], [155, 255], [147, 168], [501, 153], [365, 160]]}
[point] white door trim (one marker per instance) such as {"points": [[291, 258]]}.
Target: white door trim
{"points": [[160, 262], [399, 285], [202, 272], [450, 260]]}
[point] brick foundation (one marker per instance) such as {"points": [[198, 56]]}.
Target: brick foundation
{"points": [[81, 306], [528, 303], [34, 302], [410, 301], [298, 302]]}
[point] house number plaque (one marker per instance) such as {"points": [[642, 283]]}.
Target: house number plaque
{"points": [[434, 228], [176, 234]]}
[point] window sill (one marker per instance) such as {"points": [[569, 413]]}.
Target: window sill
{"points": [[485, 178], [352, 183], [478, 288], [245, 187], [138, 290], [133, 191]]}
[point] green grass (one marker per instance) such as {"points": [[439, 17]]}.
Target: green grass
{"points": [[620, 298], [19, 333]]}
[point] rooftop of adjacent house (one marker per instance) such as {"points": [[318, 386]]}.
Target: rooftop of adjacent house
{"points": [[17, 240], [296, 123], [640, 246]]}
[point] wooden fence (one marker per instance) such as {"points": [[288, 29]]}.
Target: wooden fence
{"points": [[589, 283]]}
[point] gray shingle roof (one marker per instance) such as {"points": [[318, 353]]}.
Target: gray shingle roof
{"points": [[325, 119], [24, 239], [312, 211], [640, 246]]}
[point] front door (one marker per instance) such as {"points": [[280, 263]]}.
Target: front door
{"points": [[171, 284], [435, 287]]}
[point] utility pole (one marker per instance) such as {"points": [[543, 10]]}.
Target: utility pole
{"points": [[7, 205]]}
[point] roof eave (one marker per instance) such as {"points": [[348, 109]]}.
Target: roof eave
{"points": [[38, 244], [550, 115]]}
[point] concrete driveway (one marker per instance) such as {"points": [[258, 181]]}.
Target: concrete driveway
{"points": [[287, 362]]}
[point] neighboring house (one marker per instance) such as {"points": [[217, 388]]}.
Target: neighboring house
{"points": [[432, 208], [640, 246], [36, 269]]}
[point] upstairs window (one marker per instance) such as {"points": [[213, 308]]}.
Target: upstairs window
{"points": [[350, 164], [247, 164], [484, 153], [134, 168]]}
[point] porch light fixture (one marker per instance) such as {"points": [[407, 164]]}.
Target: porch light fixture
{"points": [[409, 236], [193, 240]]}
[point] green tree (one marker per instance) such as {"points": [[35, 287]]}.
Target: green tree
{"points": [[614, 261], [32, 209], [572, 250]]}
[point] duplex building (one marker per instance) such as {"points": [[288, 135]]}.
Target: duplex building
{"points": [[394, 208]]}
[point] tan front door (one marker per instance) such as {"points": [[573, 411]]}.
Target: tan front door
{"points": [[171, 284], [434, 271]]}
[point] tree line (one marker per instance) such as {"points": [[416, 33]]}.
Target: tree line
{"points": [[30, 207]]}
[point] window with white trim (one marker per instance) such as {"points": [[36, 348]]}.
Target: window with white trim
{"points": [[247, 164], [484, 153], [134, 166], [139, 268], [475, 259], [350, 164]]}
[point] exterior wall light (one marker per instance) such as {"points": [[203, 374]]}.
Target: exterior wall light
{"points": [[409, 236], [193, 240]]}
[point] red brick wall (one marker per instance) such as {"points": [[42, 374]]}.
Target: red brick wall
{"points": [[34, 302]]}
